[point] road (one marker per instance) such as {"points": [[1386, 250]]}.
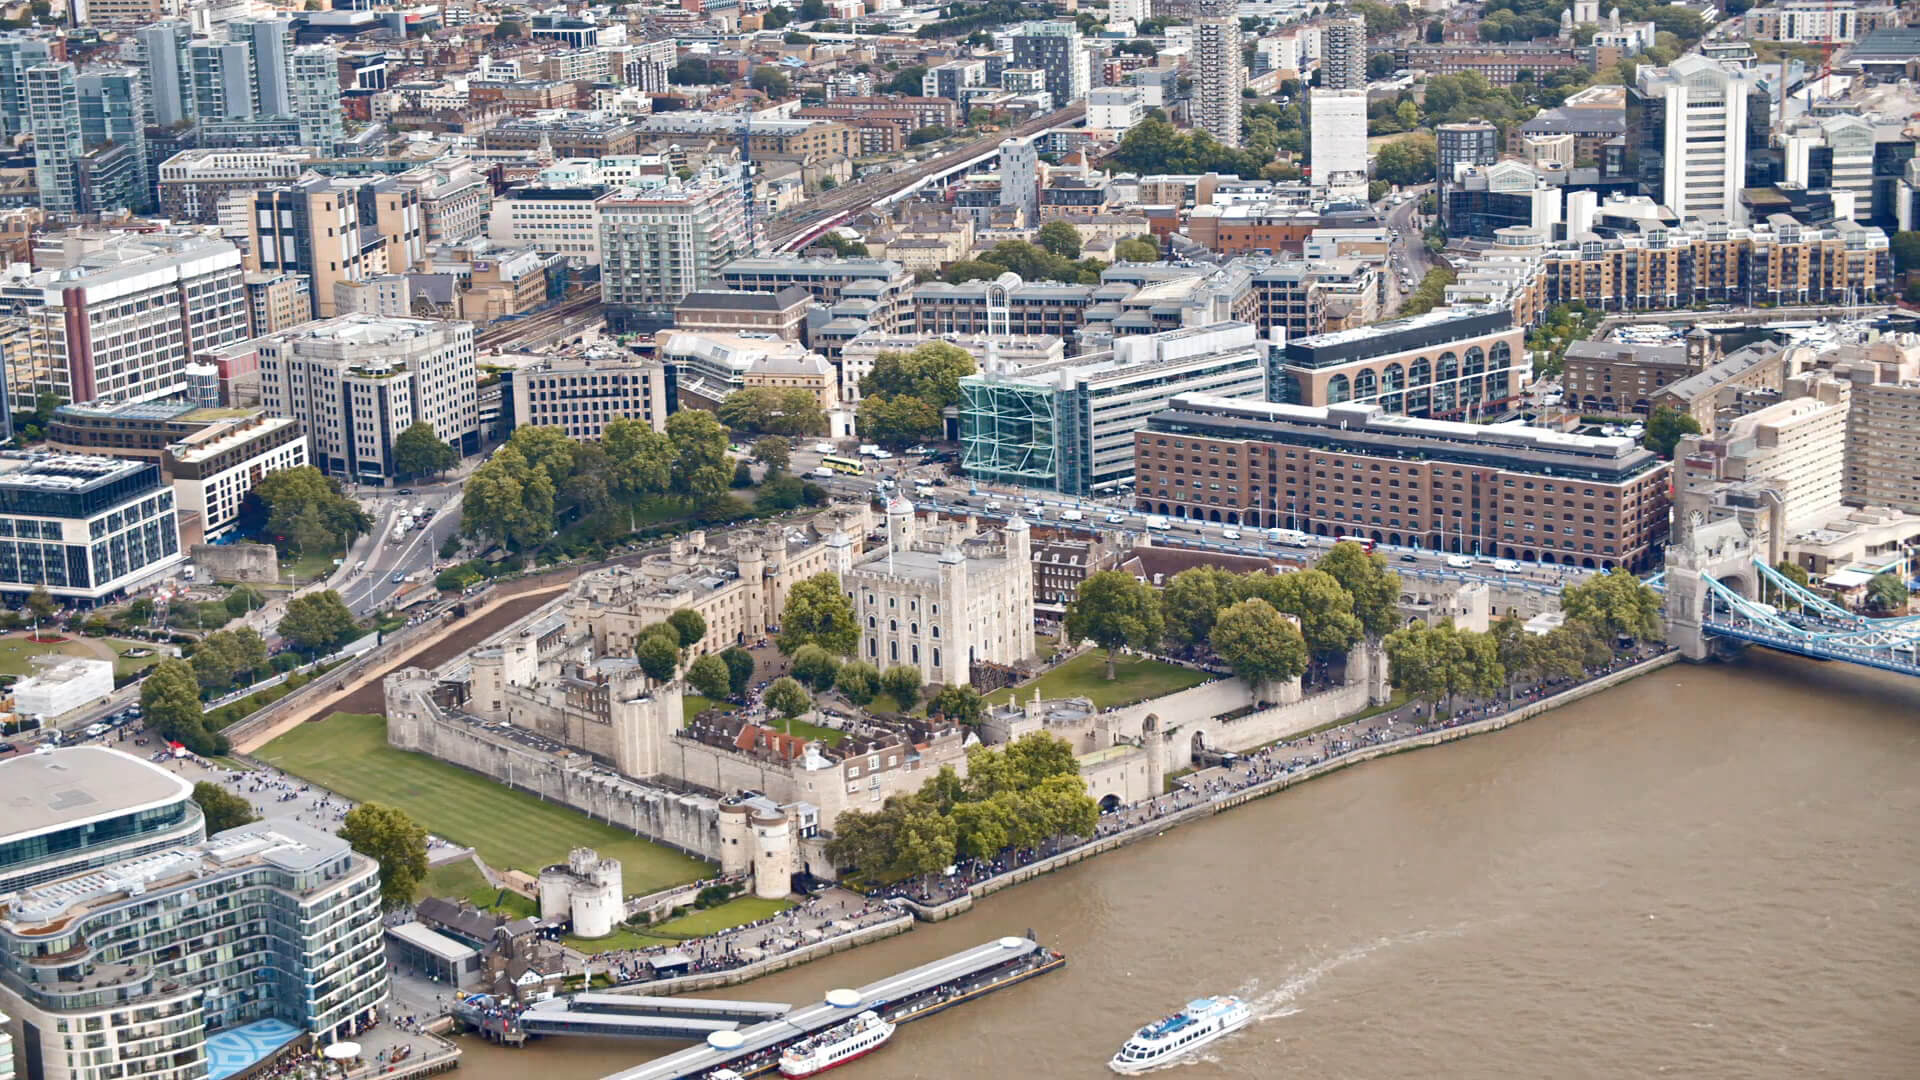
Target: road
{"points": [[370, 589], [1409, 252]]}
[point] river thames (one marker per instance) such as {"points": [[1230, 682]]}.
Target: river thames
{"points": [[1711, 871]]}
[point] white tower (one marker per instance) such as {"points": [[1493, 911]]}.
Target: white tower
{"points": [[773, 864]]}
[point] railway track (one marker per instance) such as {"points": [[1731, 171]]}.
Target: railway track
{"points": [[865, 193], [552, 321]]}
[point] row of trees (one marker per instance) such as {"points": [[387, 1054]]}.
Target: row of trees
{"points": [[773, 410], [305, 508], [1348, 594], [1018, 797], [1033, 262], [540, 477]]}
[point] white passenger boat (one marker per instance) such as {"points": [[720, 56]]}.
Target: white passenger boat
{"points": [[1202, 1021]]}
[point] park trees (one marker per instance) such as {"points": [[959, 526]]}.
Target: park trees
{"points": [[708, 677], [772, 451], [1615, 604], [658, 651], [961, 704], [770, 81], [1437, 662], [225, 657], [897, 420], [1411, 160], [508, 501], [170, 705], [788, 699], [815, 666], [773, 410], [739, 669], [1374, 588], [640, 458], [303, 500], [857, 681], [902, 683], [1886, 592], [689, 627], [418, 451], [1137, 249], [1060, 238], [818, 612], [1321, 603], [41, 604], [1193, 598], [318, 621], [1115, 610], [699, 454], [222, 808], [388, 836], [1259, 644]]}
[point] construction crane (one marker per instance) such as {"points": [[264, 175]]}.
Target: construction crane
{"points": [[746, 179]]}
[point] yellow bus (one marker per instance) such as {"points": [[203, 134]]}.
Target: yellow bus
{"points": [[847, 466]]}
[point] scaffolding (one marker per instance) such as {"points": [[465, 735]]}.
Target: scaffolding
{"points": [[1009, 433]]}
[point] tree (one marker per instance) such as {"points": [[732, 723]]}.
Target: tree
{"points": [[773, 453], [902, 683], [708, 677], [1437, 662], [1192, 599], [909, 82], [1436, 32], [1779, 597], [857, 681], [1905, 246], [931, 133], [788, 699], [508, 500], [1319, 601], [689, 627], [640, 458], [1115, 610], [317, 621], [1886, 592], [818, 612], [960, 704], [391, 838], [41, 603], [813, 10], [776, 17], [931, 372], [740, 668], [773, 410], [1665, 427], [699, 454], [1060, 238], [1375, 589], [694, 71], [222, 808], [170, 705], [242, 599], [815, 666], [1137, 249], [770, 81], [897, 420], [417, 451], [1411, 160], [508, 30], [658, 651], [1259, 644], [224, 657], [1615, 603]]}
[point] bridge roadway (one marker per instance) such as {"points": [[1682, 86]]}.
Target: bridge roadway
{"points": [[698, 1060], [638, 1016]]}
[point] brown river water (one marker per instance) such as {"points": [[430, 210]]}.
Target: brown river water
{"points": [[1709, 872]]}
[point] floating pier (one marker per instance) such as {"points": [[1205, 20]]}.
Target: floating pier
{"points": [[910, 995]]}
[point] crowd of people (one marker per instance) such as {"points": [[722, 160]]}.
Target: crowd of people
{"points": [[803, 924]]}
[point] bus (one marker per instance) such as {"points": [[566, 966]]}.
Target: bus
{"points": [[1365, 543], [848, 466]]}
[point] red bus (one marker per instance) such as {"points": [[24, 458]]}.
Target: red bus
{"points": [[1366, 544]]}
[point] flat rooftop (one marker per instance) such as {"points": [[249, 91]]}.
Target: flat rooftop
{"points": [[48, 791], [62, 472]]}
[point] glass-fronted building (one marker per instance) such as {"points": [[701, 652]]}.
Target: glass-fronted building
{"points": [[124, 970], [83, 527], [84, 807]]}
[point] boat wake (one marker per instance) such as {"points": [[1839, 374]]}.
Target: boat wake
{"points": [[1281, 1001]]}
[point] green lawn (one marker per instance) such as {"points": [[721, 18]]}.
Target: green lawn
{"points": [[348, 753], [692, 705], [808, 731], [462, 880], [1135, 679], [733, 913], [305, 568], [16, 653]]}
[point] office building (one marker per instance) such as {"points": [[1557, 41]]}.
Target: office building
{"points": [[84, 528], [1337, 141], [1068, 425], [357, 381], [551, 220], [336, 230], [1054, 48], [215, 467], [1343, 54], [659, 243], [580, 394], [192, 183], [1449, 362], [1475, 142], [132, 967], [1006, 305], [1221, 75], [136, 809], [121, 317], [1506, 490], [1883, 435], [1688, 134]]}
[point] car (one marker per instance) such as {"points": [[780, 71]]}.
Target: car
{"points": [[94, 731], [1229, 534], [397, 578], [7, 748], [1409, 557], [1115, 519], [404, 491], [961, 502], [1460, 562]]}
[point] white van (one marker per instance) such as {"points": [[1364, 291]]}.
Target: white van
{"points": [[1506, 566], [1460, 562], [1155, 521], [1071, 515], [823, 448], [869, 449]]}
